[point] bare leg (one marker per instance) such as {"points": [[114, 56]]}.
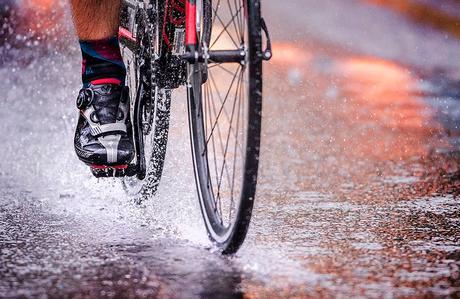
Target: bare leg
{"points": [[96, 19]]}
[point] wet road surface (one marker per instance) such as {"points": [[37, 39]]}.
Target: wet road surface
{"points": [[359, 178]]}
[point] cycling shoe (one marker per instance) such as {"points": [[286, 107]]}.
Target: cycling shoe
{"points": [[103, 136]]}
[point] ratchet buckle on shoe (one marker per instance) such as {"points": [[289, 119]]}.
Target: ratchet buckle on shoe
{"points": [[85, 98]]}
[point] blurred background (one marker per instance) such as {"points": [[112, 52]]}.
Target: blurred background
{"points": [[359, 177]]}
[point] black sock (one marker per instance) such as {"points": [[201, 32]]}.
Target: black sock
{"points": [[102, 62]]}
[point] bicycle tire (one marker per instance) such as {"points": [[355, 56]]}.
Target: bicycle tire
{"points": [[228, 239], [159, 130]]}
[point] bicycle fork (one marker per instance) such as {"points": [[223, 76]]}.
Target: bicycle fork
{"points": [[196, 52]]}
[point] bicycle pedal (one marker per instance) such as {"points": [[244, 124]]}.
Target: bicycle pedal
{"points": [[105, 171]]}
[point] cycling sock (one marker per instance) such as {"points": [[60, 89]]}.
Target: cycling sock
{"points": [[102, 62]]}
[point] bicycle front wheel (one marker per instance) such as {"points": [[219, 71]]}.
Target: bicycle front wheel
{"points": [[225, 103]]}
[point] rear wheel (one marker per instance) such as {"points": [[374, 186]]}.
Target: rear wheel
{"points": [[153, 111], [225, 102]]}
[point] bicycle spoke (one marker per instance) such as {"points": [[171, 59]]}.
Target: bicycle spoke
{"points": [[245, 114], [206, 112], [211, 89], [229, 131], [213, 81], [233, 20], [218, 92], [222, 150], [215, 157], [225, 69], [215, 13], [224, 30], [240, 23], [243, 21], [232, 203], [217, 199], [220, 98], [226, 97], [214, 65]]}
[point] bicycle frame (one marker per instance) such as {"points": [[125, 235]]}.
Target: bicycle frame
{"points": [[196, 54], [190, 25]]}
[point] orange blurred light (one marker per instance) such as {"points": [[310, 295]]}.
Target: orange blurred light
{"points": [[387, 88], [288, 53], [423, 13], [371, 105], [44, 5]]}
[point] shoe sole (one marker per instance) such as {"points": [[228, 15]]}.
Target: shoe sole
{"points": [[104, 171]]}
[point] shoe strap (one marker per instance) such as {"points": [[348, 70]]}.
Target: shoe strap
{"points": [[99, 130]]}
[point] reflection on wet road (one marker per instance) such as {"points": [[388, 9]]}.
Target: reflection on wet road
{"points": [[359, 181]]}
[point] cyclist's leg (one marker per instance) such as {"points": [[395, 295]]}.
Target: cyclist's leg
{"points": [[96, 23], [96, 19], [101, 137]]}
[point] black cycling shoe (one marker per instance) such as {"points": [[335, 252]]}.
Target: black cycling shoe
{"points": [[103, 136]]}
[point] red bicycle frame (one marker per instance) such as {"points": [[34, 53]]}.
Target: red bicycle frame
{"points": [[193, 52], [190, 25]]}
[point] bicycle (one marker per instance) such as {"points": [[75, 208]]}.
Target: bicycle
{"points": [[202, 45]]}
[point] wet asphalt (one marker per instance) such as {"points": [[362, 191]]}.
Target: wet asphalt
{"points": [[359, 181]]}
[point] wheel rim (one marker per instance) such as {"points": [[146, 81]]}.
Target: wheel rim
{"points": [[224, 114]]}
